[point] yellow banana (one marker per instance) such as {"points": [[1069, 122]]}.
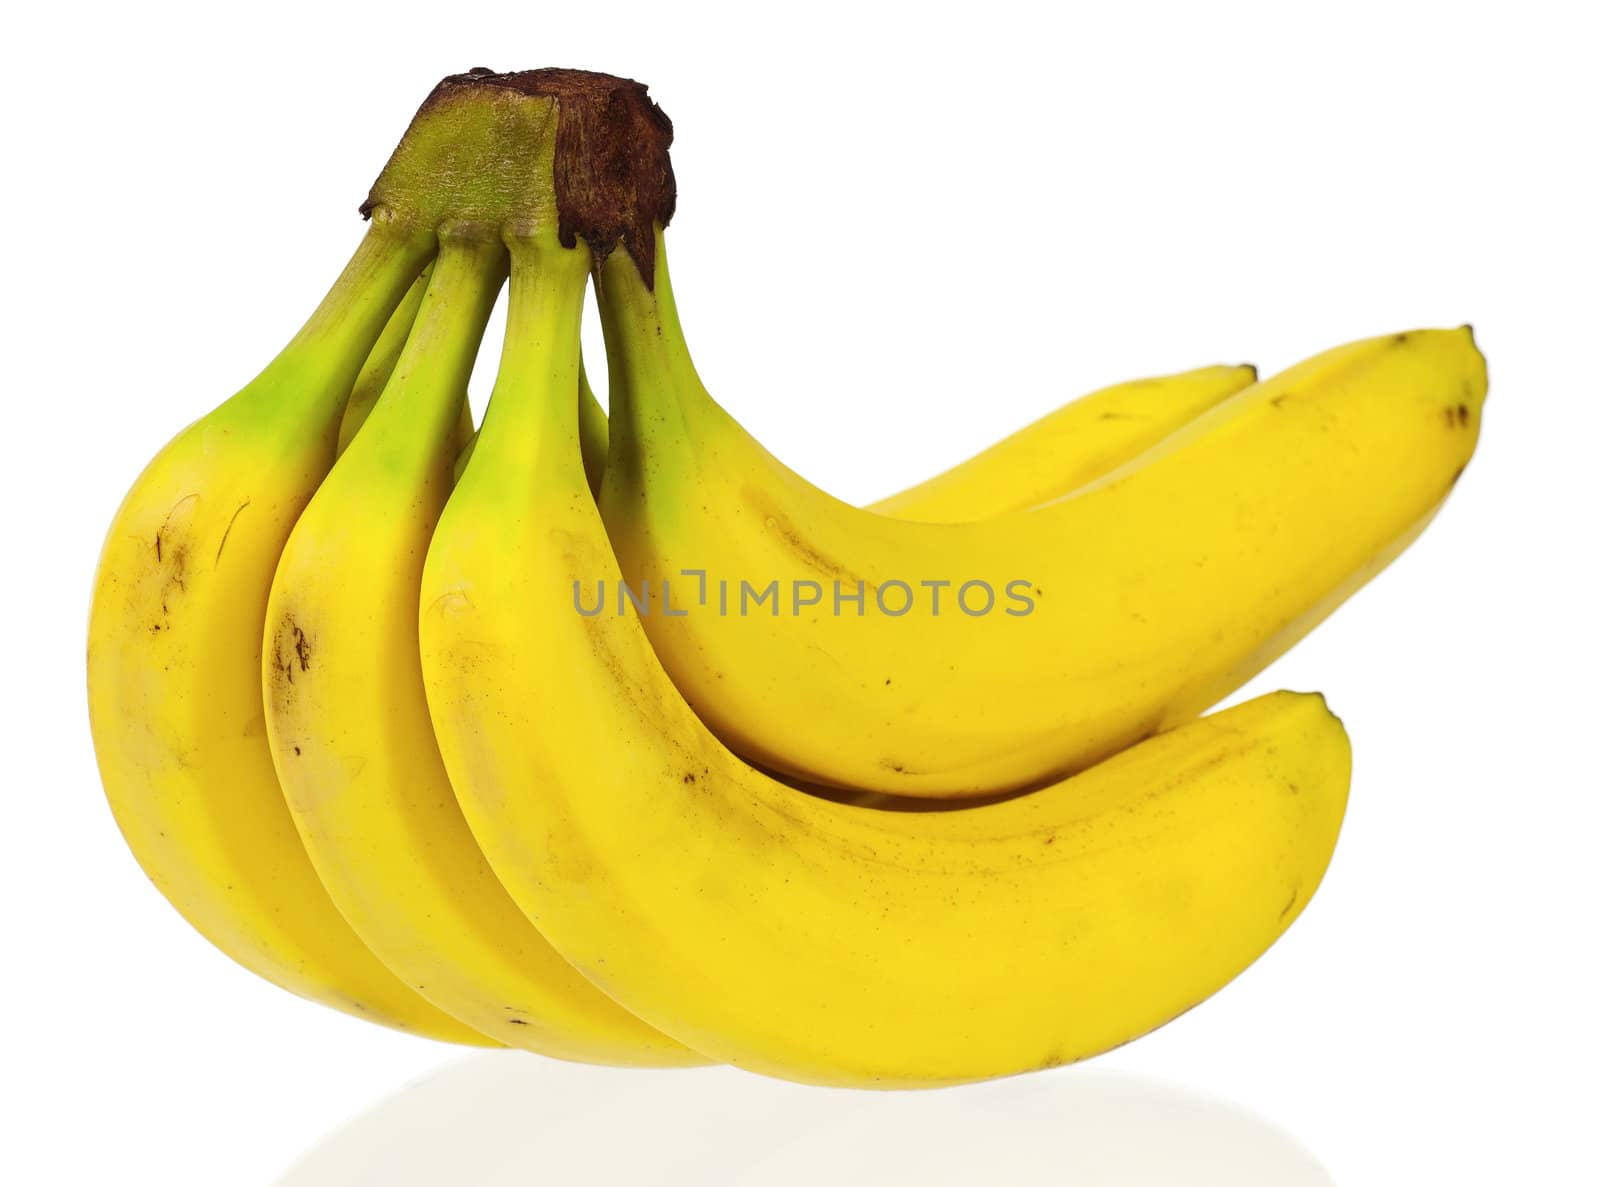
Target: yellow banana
{"points": [[1071, 447], [174, 657], [852, 649], [786, 933]]}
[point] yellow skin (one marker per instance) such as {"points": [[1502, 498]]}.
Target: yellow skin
{"points": [[1141, 599], [174, 660], [1068, 448], [794, 935], [348, 717]]}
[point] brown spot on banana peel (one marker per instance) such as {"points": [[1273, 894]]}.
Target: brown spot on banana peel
{"points": [[809, 554], [291, 653], [1054, 1059], [172, 541], [1294, 897], [170, 548]]}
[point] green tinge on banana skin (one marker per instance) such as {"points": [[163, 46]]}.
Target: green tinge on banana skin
{"points": [[594, 434]]}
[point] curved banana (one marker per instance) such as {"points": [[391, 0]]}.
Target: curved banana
{"points": [[848, 648], [174, 660], [348, 717], [789, 934], [1069, 448]]}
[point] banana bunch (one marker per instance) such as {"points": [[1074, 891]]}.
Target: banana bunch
{"points": [[621, 743]]}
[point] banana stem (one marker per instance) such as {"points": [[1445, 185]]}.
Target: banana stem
{"points": [[353, 314], [304, 389], [532, 419], [655, 391], [645, 345], [421, 405], [380, 364]]}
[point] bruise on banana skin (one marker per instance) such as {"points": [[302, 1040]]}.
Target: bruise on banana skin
{"points": [[1294, 897], [227, 531], [291, 654], [173, 549], [784, 531], [170, 552]]}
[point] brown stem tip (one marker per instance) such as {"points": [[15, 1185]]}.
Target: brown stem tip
{"points": [[612, 171]]}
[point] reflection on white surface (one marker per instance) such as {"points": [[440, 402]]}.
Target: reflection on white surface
{"points": [[499, 1118]]}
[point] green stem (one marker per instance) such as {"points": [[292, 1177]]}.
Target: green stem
{"points": [[380, 364], [654, 387], [531, 425], [644, 338], [357, 307], [306, 386], [421, 404]]}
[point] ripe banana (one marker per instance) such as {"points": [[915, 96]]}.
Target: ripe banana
{"points": [[348, 717], [783, 932], [1069, 448], [174, 657], [852, 649]]}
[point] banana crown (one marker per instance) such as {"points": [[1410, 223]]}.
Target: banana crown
{"points": [[583, 152]]}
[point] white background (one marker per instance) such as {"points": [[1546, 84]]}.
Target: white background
{"points": [[899, 238]]}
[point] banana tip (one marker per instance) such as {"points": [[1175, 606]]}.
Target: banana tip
{"points": [[1322, 703]]}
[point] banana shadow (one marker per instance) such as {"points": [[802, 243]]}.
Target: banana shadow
{"points": [[500, 1118]]}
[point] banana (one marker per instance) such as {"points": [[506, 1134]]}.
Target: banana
{"points": [[851, 649], [347, 714], [174, 657], [1069, 448], [789, 934]]}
